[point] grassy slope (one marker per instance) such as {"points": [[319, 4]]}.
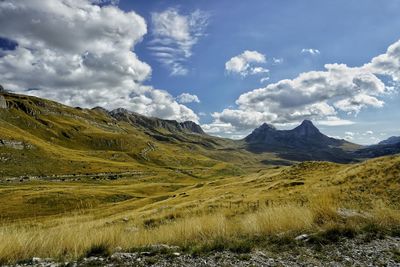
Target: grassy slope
{"points": [[69, 140], [184, 194], [175, 208]]}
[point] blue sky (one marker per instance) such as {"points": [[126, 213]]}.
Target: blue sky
{"points": [[283, 38]]}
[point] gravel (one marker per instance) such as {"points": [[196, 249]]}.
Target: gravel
{"points": [[349, 252]]}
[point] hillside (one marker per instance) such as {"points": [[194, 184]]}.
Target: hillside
{"points": [[126, 181], [39, 137], [42, 137], [390, 141], [239, 213]]}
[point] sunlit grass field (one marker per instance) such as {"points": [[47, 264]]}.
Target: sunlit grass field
{"points": [[69, 219]]}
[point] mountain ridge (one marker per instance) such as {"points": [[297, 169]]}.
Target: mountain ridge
{"points": [[67, 139], [303, 141], [390, 141], [267, 134], [153, 122]]}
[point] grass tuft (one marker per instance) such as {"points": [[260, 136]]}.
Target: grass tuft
{"points": [[98, 250]]}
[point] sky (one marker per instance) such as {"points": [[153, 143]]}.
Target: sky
{"points": [[229, 65]]}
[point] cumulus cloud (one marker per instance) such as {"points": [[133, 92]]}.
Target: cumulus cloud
{"points": [[245, 64], [80, 52], [174, 36], [349, 135], [366, 137], [185, 98], [334, 121], [315, 95], [310, 51], [105, 2], [387, 64]]}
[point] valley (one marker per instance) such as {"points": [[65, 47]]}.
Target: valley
{"points": [[81, 182]]}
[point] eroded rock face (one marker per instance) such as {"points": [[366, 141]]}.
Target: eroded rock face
{"points": [[19, 145], [3, 102], [172, 126]]}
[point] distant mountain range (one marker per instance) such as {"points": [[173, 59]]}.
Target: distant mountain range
{"points": [[305, 142], [305, 136], [386, 147], [42, 136], [390, 141]]}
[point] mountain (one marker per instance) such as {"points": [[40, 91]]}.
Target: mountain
{"points": [[390, 141], [155, 123], [305, 142], [386, 147], [42, 137], [306, 135]]}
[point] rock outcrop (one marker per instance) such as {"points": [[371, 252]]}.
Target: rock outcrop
{"points": [[19, 145], [3, 102], [151, 123]]}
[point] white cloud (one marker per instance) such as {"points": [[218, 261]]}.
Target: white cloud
{"points": [[81, 54], [187, 98], [366, 137], [277, 61], [349, 136], [310, 51], [334, 121], [174, 36], [244, 64], [105, 2], [258, 70], [264, 79], [388, 63], [357, 102], [316, 95]]}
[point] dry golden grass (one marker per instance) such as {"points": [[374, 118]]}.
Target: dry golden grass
{"points": [[190, 212], [72, 238]]}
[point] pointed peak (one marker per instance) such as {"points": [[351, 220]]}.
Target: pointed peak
{"points": [[266, 126], [306, 128], [307, 123]]}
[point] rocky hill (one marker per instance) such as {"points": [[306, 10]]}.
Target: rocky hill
{"points": [[155, 124]]}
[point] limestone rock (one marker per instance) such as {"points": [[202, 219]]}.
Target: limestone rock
{"points": [[3, 102]]}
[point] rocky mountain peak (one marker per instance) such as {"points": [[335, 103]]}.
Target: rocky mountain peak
{"points": [[192, 127], [305, 141], [262, 133], [152, 123], [306, 128], [267, 127]]}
